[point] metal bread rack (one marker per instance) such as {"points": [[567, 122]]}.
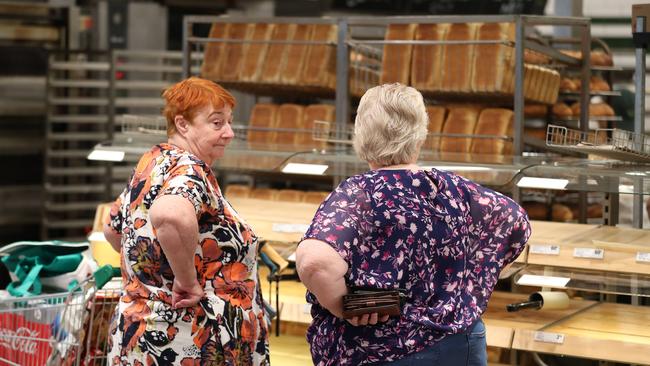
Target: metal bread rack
{"points": [[606, 142]]}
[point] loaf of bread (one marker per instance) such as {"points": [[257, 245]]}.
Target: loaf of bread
{"points": [[295, 55], [277, 52], [596, 58], [290, 117], [427, 59], [234, 51], [568, 84], [573, 53], [491, 61], [600, 58], [537, 133], [320, 62], [562, 110], [531, 73], [601, 109], [437, 116], [213, 55], [311, 113], [396, 58], [535, 210], [594, 211], [595, 110], [460, 120], [263, 116], [255, 53], [535, 58], [535, 110], [457, 59], [288, 195], [552, 86], [561, 213], [364, 72], [237, 190], [598, 84], [495, 122]]}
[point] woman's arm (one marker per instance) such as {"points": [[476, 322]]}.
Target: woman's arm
{"points": [[322, 270], [113, 237], [174, 220]]}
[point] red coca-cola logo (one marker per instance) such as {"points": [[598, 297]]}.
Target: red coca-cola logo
{"points": [[22, 339]]}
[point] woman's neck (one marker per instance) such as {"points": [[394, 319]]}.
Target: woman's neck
{"points": [[407, 166]]}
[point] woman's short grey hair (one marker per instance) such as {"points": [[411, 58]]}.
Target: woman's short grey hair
{"points": [[391, 125]]}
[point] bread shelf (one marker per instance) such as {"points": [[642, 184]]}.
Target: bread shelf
{"points": [[612, 143], [570, 93]]}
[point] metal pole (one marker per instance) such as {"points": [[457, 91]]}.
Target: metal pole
{"points": [[519, 87], [639, 120], [342, 101], [186, 48]]}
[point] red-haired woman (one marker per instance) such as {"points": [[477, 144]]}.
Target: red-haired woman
{"points": [[191, 294]]}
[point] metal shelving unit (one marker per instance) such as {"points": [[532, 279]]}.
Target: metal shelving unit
{"points": [[86, 95], [77, 105]]}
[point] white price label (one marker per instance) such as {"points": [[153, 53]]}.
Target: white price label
{"points": [[643, 257], [548, 337], [545, 249], [289, 228], [591, 253], [543, 281]]}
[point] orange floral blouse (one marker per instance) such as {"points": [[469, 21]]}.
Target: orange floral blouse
{"points": [[228, 326]]}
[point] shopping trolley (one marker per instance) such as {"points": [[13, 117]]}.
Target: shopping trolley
{"points": [[68, 328]]}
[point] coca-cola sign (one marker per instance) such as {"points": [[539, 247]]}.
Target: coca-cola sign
{"points": [[22, 339]]}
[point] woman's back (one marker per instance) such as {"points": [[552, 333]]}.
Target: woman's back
{"points": [[423, 232]]}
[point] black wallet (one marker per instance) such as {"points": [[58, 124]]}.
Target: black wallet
{"points": [[367, 301]]}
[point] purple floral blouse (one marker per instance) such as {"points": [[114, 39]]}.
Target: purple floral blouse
{"points": [[439, 236]]}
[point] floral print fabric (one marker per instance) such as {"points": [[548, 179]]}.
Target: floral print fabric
{"points": [[440, 237], [228, 326]]}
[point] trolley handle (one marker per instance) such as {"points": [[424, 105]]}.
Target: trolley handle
{"points": [[103, 275]]}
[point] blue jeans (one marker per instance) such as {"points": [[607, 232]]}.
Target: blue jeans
{"points": [[462, 349]]}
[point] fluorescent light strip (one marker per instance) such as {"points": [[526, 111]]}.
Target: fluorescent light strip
{"points": [[106, 155], [544, 183], [311, 169]]}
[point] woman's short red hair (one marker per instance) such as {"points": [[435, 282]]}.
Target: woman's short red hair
{"points": [[188, 97]]}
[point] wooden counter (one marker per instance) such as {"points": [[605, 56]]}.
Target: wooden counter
{"points": [[274, 220], [576, 245], [607, 331], [501, 324]]}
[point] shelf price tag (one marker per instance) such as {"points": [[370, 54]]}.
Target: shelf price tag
{"points": [[543, 281], [545, 249], [643, 257], [289, 228], [590, 253], [548, 337]]}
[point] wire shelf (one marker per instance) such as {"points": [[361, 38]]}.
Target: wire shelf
{"points": [[607, 142], [142, 124]]}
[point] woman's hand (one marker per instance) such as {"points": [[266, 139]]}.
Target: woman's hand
{"points": [[367, 319], [185, 296]]}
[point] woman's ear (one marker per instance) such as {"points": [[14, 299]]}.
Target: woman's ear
{"points": [[181, 124]]}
